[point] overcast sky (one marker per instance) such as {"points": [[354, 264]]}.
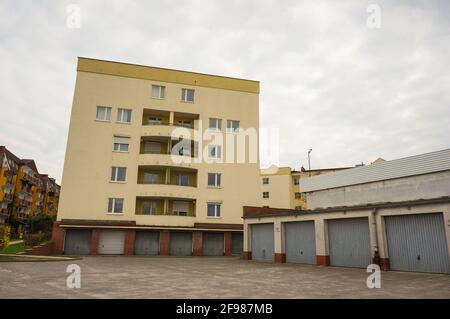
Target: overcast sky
{"points": [[328, 82]]}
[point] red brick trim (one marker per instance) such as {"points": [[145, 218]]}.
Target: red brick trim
{"points": [[164, 243], [197, 243], [129, 242], [92, 222], [280, 258], [94, 241], [247, 255], [227, 243], [323, 260], [385, 264], [58, 235]]}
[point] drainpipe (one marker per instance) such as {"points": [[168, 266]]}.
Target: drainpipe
{"points": [[376, 257]]}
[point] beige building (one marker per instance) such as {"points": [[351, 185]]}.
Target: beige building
{"points": [[149, 166], [280, 186]]}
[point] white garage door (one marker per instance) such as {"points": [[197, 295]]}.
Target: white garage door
{"points": [[111, 242]]}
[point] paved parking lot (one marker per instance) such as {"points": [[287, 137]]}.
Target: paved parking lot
{"points": [[208, 277]]}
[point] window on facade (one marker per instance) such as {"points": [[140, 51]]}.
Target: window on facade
{"points": [[213, 180], [118, 174], [265, 194], [121, 144], [124, 115], [152, 148], [296, 181], [180, 208], [232, 126], [298, 195], [103, 113], [215, 124], [185, 123], [265, 180], [154, 121], [115, 205], [148, 208], [187, 95], [214, 151], [182, 180], [151, 178], [158, 91], [213, 209]]}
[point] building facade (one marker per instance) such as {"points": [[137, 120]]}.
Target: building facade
{"points": [[23, 191], [392, 213], [280, 186], [150, 166]]}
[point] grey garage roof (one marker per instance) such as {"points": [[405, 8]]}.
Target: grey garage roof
{"points": [[403, 167]]}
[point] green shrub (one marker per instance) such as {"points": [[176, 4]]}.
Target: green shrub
{"points": [[36, 239]]}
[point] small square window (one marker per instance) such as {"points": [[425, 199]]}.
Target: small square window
{"points": [[213, 209], [214, 151], [298, 195], [296, 181], [265, 180], [103, 113], [265, 194], [124, 115], [187, 95], [215, 124], [118, 174], [158, 91], [232, 126], [121, 144], [214, 180], [115, 205]]}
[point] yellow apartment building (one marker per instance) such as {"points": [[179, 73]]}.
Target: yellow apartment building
{"points": [[279, 186], [154, 163]]}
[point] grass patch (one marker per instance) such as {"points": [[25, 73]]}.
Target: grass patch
{"points": [[14, 248], [22, 258]]}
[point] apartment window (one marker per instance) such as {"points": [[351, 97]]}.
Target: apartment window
{"points": [[265, 194], [103, 113], [213, 209], [148, 208], [187, 95], [184, 123], [182, 180], [298, 195], [180, 208], [232, 126], [213, 180], [115, 205], [158, 91], [151, 178], [124, 115], [265, 180], [154, 121], [215, 124], [214, 151], [152, 148], [118, 174], [121, 144], [296, 181]]}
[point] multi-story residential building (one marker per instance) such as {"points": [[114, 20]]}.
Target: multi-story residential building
{"points": [[280, 186], [149, 166], [22, 189]]}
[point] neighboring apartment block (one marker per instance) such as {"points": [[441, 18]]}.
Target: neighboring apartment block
{"points": [[147, 167], [280, 186], [23, 191]]}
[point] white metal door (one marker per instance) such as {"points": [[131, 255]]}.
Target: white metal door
{"points": [[111, 242]]}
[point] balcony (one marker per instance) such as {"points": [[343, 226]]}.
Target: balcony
{"points": [[157, 150], [161, 206], [163, 123], [28, 178], [4, 213], [21, 216], [23, 203]]}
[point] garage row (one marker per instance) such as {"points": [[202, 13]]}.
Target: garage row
{"points": [[413, 242], [151, 243]]}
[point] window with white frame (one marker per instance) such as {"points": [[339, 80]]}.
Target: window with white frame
{"points": [[187, 95], [215, 124], [158, 91], [265, 180], [265, 194], [232, 126], [185, 123], [118, 174], [182, 180], [103, 113], [115, 205], [148, 208], [213, 209], [121, 144], [214, 151], [213, 180], [151, 178], [124, 115]]}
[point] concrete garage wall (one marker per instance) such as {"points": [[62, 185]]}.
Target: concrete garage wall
{"points": [[377, 229], [396, 190]]}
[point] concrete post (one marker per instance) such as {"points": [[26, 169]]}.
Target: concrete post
{"points": [[280, 255], [322, 256], [247, 253]]}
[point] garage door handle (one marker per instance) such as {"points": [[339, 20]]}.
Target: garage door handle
{"points": [[418, 257]]}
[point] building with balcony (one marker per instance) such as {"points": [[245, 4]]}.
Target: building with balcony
{"points": [[280, 186], [22, 192], [152, 162]]}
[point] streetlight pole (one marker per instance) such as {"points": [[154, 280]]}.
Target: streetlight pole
{"points": [[309, 161]]}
